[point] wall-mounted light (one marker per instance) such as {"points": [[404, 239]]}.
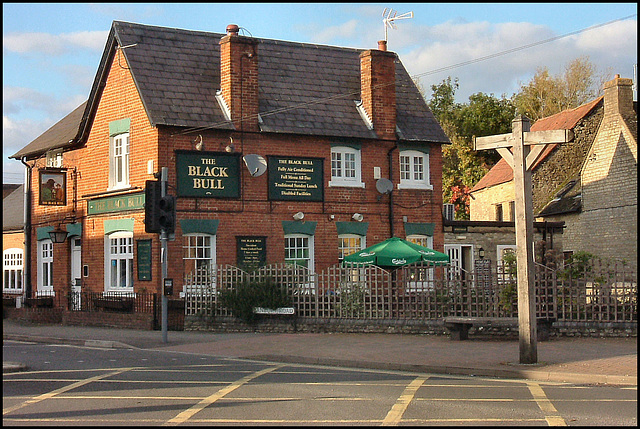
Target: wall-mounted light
{"points": [[230, 147], [332, 217], [198, 144], [481, 253], [357, 217], [298, 216], [58, 235]]}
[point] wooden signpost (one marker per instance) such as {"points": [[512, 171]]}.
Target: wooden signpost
{"points": [[527, 146]]}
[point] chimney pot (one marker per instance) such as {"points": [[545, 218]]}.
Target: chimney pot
{"points": [[382, 45], [233, 29]]}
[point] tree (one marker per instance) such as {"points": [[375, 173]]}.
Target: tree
{"points": [[546, 95], [463, 167]]}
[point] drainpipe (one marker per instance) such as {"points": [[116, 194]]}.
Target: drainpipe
{"points": [[391, 229], [27, 230]]}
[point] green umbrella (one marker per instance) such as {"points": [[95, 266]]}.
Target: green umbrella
{"points": [[395, 252]]}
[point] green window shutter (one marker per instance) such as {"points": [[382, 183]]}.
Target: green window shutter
{"points": [[296, 227], [119, 127], [42, 233], [419, 229], [357, 228], [203, 226], [114, 225]]}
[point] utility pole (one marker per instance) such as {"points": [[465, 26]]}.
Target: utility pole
{"points": [[527, 146]]}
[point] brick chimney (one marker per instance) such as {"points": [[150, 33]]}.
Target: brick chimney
{"points": [[618, 97], [239, 78], [378, 89]]}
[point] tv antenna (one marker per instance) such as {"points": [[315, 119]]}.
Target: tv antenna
{"points": [[389, 16]]}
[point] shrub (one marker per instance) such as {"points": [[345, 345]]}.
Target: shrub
{"points": [[242, 300]]}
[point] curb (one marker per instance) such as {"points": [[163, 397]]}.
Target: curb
{"points": [[523, 374], [509, 373]]}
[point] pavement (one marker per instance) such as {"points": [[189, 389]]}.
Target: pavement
{"points": [[581, 360]]}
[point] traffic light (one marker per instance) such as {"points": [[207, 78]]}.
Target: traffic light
{"points": [[159, 212], [167, 213], [152, 197]]}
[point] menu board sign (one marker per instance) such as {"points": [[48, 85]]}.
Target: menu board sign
{"points": [[252, 252], [295, 179]]}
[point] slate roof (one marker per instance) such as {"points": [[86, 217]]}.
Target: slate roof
{"points": [[62, 134], [13, 210], [502, 172], [303, 88]]}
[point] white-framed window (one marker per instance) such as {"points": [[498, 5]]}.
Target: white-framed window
{"points": [[119, 262], [54, 158], [199, 257], [420, 279], [345, 167], [414, 170], [298, 249], [119, 161], [350, 243], [12, 270], [45, 266]]}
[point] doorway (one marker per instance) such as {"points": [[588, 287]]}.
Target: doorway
{"points": [[76, 273]]}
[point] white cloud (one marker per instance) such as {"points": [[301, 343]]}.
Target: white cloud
{"points": [[438, 52], [53, 44]]}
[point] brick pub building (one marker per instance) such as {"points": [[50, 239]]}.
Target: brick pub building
{"points": [[276, 152]]}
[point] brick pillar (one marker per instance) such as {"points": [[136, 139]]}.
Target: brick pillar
{"points": [[239, 79], [618, 97], [378, 90]]}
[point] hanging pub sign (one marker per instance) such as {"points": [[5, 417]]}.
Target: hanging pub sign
{"points": [[208, 174], [53, 188], [295, 179]]}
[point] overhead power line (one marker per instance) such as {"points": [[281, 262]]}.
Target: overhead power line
{"points": [[439, 70]]}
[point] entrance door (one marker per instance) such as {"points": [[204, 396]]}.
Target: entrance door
{"points": [[460, 259], [76, 273]]}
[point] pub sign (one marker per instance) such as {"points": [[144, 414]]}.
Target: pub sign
{"points": [[53, 188], [295, 178], [208, 174]]}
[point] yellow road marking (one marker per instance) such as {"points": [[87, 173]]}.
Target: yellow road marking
{"points": [[187, 414], [552, 416], [64, 389], [395, 414]]}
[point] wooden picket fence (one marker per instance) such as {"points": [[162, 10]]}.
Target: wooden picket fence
{"points": [[603, 292]]}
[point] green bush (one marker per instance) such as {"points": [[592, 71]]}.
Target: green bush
{"points": [[242, 300]]}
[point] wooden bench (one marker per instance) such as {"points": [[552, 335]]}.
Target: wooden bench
{"points": [[459, 326]]}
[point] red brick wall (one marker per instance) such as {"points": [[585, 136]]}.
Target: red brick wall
{"points": [[252, 214]]}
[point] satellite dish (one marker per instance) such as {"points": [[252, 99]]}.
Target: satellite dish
{"points": [[384, 186], [256, 164]]}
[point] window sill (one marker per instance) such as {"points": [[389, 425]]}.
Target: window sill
{"points": [[339, 184], [417, 186]]}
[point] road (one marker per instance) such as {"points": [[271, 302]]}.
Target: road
{"points": [[74, 385]]}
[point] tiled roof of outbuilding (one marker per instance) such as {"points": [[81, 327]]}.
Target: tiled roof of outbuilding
{"points": [[565, 120], [303, 88]]}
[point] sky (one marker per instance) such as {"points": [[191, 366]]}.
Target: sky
{"points": [[51, 51]]}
